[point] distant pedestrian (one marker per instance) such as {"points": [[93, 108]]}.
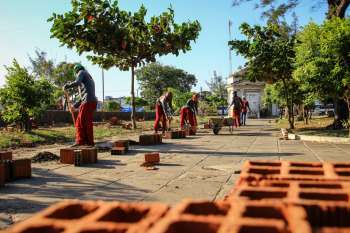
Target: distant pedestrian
{"points": [[87, 106], [245, 108], [163, 111], [189, 113], [237, 107]]}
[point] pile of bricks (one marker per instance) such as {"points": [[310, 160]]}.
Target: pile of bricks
{"points": [[269, 197], [11, 170], [120, 147], [150, 139], [175, 134], [78, 156]]}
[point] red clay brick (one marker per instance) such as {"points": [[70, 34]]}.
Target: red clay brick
{"points": [[89, 216], [22, 168], [8, 170], [206, 126], [2, 174], [171, 135], [296, 192], [5, 155], [67, 155], [122, 143], [158, 138], [193, 216], [285, 170], [147, 139], [118, 151], [152, 157], [89, 155]]}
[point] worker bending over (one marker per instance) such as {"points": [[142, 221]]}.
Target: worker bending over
{"points": [[163, 111], [189, 113]]}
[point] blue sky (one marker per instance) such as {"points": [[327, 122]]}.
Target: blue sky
{"points": [[23, 28]]}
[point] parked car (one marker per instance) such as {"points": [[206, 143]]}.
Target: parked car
{"points": [[322, 110]]}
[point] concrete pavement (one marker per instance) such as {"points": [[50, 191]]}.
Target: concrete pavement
{"points": [[204, 166]]}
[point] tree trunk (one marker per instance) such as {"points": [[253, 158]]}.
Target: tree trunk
{"points": [[337, 8], [341, 113], [133, 109]]}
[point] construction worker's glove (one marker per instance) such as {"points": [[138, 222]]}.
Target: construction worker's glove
{"points": [[77, 105]]}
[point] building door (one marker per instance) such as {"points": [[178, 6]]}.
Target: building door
{"points": [[254, 104]]}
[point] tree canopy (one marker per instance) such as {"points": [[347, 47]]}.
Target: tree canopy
{"points": [[23, 96], [122, 39], [155, 78]]}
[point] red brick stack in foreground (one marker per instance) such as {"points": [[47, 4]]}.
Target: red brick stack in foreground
{"points": [[269, 197], [78, 156], [11, 170]]}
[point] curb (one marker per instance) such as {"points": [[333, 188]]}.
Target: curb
{"points": [[292, 136]]}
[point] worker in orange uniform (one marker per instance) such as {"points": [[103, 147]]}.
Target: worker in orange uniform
{"points": [[189, 113], [164, 111]]}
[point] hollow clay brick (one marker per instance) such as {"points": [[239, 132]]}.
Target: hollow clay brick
{"points": [[89, 155], [118, 151], [67, 155], [91, 216], [21, 169], [152, 157], [2, 174], [171, 135], [147, 139], [122, 143], [5, 155], [257, 170]]}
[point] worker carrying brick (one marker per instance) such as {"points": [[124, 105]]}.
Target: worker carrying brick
{"points": [[237, 108], [188, 113], [164, 111], [86, 104]]}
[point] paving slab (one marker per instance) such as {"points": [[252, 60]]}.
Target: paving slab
{"points": [[204, 166]]}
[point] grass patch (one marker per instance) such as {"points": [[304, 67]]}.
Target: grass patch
{"points": [[316, 127], [64, 134]]}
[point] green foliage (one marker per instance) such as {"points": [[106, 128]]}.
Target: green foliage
{"points": [[269, 51], [23, 96], [154, 79], [180, 98], [111, 106], [217, 86], [119, 38], [139, 102]]}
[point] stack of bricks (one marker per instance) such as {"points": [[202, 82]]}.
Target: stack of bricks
{"points": [[78, 156], [269, 197], [11, 170], [150, 139], [175, 134], [120, 147]]}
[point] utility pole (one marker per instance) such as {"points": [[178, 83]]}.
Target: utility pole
{"points": [[103, 87], [229, 49]]}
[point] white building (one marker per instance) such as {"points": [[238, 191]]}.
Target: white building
{"points": [[253, 91]]}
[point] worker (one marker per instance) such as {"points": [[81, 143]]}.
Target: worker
{"points": [[237, 107], [164, 111], [189, 113], [245, 108], [87, 105]]}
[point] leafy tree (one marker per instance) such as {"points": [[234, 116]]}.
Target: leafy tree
{"points": [[275, 8], [154, 79], [23, 96], [122, 39], [217, 86], [269, 51], [180, 98], [111, 106], [42, 66], [139, 102], [323, 59]]}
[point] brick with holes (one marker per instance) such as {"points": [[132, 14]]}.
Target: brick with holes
{"points": [[152, 157], [118, 151], [5, 155], [284, 170], [193, 216], [93, 216], [122, 143]]}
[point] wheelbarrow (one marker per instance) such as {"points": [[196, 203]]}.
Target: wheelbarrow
{"points": [[217, 123]]}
